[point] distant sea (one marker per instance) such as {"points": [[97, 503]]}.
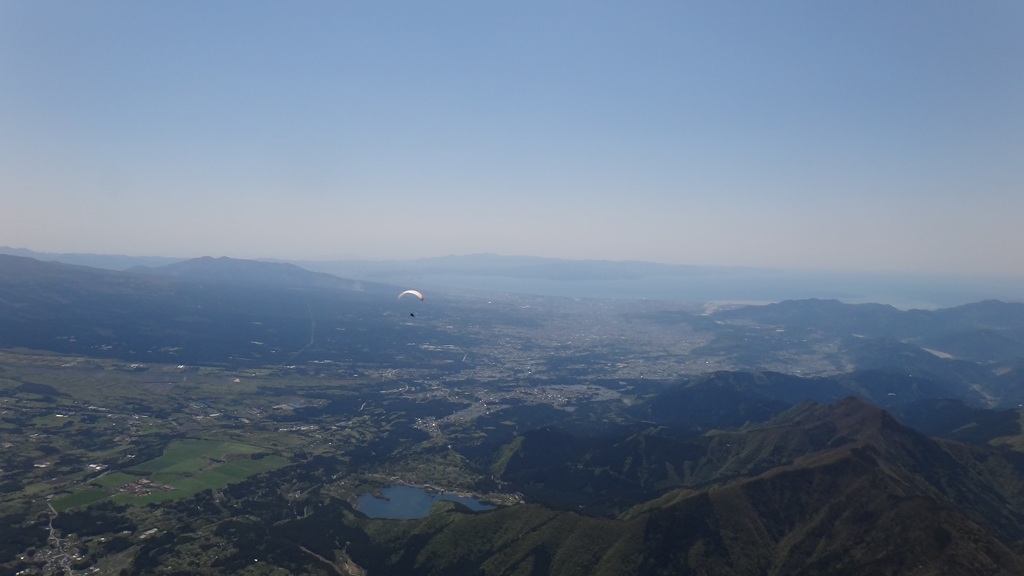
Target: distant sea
{"points": [[752, 286]]}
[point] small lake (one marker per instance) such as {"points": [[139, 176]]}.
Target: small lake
{"points": [[408, 502]]}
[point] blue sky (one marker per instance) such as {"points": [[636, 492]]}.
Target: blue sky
{"points": [[881, 136]]}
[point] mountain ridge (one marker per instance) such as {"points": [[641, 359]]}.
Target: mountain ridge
{"points": [[870, 496]]}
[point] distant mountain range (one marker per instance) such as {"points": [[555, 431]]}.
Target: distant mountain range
{"points": [[105, 261], [627, 279]]}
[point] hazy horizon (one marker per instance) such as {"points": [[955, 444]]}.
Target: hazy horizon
{"points": [[482, 274], [867, 137], [399, 261]]}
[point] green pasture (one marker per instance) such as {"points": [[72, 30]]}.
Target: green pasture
{"points": [[183, 457], [114, 479], [80, 498], [190, 466]]}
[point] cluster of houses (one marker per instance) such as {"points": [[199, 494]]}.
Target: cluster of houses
{"points": [[144, 486]]}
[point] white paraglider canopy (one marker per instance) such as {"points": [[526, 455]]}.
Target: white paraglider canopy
{"points": [[415, 293]]}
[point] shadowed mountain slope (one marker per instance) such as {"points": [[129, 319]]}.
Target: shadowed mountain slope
{"points": [[819, 489], [207, 311]]}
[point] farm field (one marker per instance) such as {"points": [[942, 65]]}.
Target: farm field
{"points": [[185, 468]]}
